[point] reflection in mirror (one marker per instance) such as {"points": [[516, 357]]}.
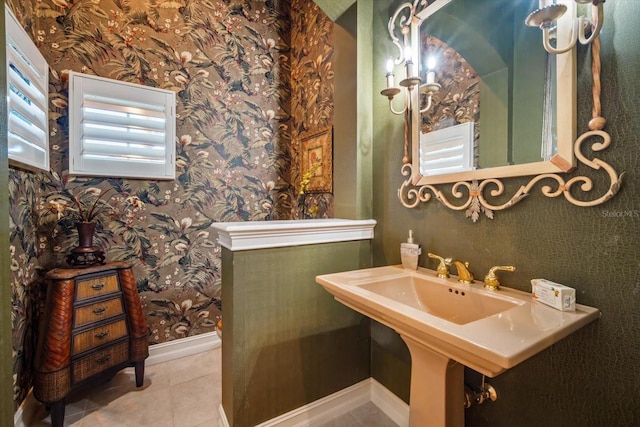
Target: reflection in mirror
{"points": [[492, 72], [496, 77]]}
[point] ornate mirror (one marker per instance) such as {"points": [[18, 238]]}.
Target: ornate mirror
{"points": [[485, 100]]}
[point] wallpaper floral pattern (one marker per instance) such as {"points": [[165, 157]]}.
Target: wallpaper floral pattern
{"points": [[312, 95], [458, 100], [249, 77]]}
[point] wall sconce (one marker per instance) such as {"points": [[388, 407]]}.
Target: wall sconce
{"points": [[410, 82], [548, 13], [430, 87], [404, 27], [405, 14]]}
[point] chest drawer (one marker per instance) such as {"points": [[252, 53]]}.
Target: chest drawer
{"points": [[92, 364], [96, 286], [92, 327], [97, 311], [98, 336]]}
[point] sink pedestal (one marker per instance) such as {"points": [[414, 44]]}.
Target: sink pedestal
{"points": [[437, 388]]}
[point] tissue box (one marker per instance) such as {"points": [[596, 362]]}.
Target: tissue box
{"points": [[553, 294]]}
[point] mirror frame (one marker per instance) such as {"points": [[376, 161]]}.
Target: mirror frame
{"points": [[565, 102], [469, 187]]}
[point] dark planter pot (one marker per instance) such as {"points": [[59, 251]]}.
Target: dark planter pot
{"points": [[86, 231], [86, 254]]}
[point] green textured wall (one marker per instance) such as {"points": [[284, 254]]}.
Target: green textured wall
{"points": [[287, 342], [591, 378], [353, 118], [334, 8], [366, 91], [6, 371], [345, 129]]}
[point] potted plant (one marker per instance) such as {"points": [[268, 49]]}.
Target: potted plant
{"points": [[83, 208]]}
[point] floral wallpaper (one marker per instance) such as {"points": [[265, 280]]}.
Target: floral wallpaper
{"points": [[249, 76], [312, 95], [458, 100]]}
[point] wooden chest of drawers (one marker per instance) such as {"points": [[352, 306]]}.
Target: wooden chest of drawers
{"points": [[93, 326]]}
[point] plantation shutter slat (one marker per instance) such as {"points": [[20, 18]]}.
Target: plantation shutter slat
{"points": [[27, 98], [121, 129], [447, 150]]}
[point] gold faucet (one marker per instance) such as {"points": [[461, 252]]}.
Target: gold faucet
{"points": [[464, 275], [443, 269], [491, 281]]}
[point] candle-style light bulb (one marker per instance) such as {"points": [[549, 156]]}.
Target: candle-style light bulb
{"points": [[390, 73], [407, 53], [431, 66], [431, 63], [407, 61]]}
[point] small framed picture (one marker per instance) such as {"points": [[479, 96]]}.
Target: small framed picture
{"points": [[317, 160]]}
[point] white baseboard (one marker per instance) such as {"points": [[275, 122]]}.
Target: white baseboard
{"points": [[158, 353], [394, 407], [330, 407], [183, 347], [323, 410], [222, 420]]}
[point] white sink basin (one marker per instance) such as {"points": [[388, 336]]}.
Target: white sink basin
{"points": [[443, 322], [458, 304]]}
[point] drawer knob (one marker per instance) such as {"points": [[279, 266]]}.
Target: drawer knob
{"points": [[103, 359], [102, 334], [98, 311], [97, 286]]}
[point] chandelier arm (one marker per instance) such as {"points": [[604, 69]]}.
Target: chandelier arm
{"points": [[574, 38], [597, 19], [429, 103], [394, 111]]}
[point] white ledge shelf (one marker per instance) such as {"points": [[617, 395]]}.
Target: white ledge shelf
{"points": [[242, 236]]}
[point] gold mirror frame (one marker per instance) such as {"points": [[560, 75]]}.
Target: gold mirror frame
{"points": [[470, 191]]}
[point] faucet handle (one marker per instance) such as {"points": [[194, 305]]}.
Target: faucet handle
{"points": [[443, 268], [491, 281]]}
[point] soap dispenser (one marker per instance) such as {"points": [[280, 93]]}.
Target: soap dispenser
{"points": [[409, 253]]}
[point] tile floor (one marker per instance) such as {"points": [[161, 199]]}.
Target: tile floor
{"points": [[173, 395]]}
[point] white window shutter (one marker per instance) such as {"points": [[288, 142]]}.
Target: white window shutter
{"points": [[120, 129], [447, 150], [27, 98]]}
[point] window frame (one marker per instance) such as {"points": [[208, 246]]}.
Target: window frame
{"points": [[27, 98], [98, 94]]}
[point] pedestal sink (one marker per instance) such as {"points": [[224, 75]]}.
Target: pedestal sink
{"points": [[448, 325]]}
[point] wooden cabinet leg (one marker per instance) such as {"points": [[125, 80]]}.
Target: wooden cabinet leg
{"points": [[139, 373], [57, 414]]}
